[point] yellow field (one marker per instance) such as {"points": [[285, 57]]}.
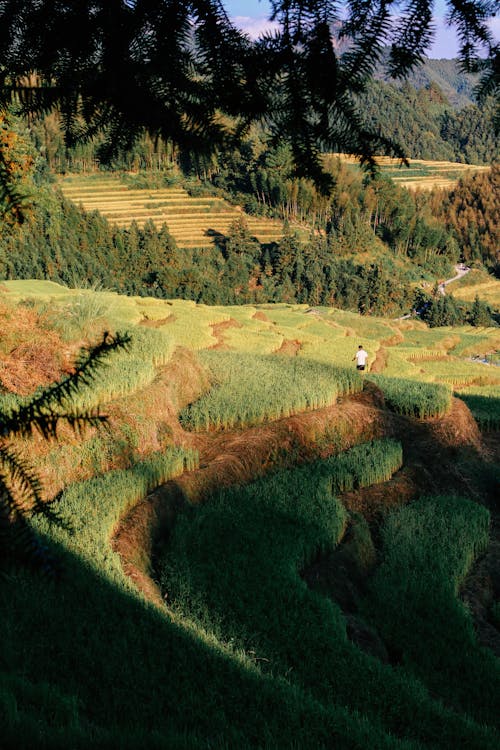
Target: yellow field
{"points": [[488, 290], [421, 174], [193, 222], [396, 348]]}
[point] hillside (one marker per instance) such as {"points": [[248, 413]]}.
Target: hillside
{"points": [[193, 222], [424, 122], [420, 174], [458, 87], [231, 575]]}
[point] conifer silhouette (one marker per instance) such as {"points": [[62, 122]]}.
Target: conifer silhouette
{"points": [[20, 488]]}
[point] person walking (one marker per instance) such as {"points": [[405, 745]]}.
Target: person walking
{"points": [[361, 357]]}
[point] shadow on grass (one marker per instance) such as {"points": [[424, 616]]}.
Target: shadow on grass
{"points": [[85, 664]]}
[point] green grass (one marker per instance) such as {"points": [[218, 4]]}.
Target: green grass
{"points": [[327, 337], [428, 548], [413, 399], [249, 389], [128, 371], [246, 655], [484, 404], [458, 372], [232, 565], [87, 662]]}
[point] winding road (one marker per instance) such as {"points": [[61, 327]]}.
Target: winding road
{"points": [[460, 269]]}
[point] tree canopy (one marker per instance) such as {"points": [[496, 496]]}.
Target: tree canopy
{"points": [[181, 70]]}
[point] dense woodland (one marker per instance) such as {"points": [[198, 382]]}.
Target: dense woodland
{"points": [[368, 238], [290, 601], [432, 115]]}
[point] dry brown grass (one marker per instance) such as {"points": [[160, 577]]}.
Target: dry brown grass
{"points": [[380, 362], [291, 347], [31, 353]]}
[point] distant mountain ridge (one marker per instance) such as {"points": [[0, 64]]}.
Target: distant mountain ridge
{"points": [[457, 86], [432, 114]]}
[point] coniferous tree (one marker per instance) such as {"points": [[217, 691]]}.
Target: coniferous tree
{"points": [[20, 488], [173, 68]]}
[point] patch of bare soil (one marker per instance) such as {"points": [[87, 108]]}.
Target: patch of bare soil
{"points": [[218, 332], [259, 315], [148, 323], [291, 347]]}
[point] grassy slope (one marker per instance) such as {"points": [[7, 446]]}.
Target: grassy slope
{"points": [[191, 221], [420, 174], [87, 661]]}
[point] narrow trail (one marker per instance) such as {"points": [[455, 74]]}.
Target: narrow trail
{"points": [[460, 270], [430, 450], [237, 457]]}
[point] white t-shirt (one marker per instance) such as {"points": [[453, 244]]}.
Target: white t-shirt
{"points": [[361, 357]]}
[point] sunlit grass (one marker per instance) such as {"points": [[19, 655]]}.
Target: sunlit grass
{"points": [[249, 389], [412, 398]]}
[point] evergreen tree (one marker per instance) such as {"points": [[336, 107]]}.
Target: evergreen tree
{"points": [[480, 314], [20, 488], [173, 68]]}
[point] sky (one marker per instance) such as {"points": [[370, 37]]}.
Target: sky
{"points": [[252, 15]]}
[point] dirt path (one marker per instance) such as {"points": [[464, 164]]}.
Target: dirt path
{"points": [[460, 271], [236, 457], [430, 452]]}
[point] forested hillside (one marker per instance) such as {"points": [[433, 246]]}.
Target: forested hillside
{"points": [[428, 126], [472, 212], [457, 86], [432, 115], [367, 246]]}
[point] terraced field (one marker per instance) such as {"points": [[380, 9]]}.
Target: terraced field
{"points": [[398, 349], [421, 174], [309, 587], [193, 222], [487, 290]]}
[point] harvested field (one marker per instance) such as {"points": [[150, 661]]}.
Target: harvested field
{"points": [[193, 222], [421, 174]]}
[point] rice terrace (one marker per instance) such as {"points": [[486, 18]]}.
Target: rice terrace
{"points": [[249, 376], [246, 544], [192, 221]]}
